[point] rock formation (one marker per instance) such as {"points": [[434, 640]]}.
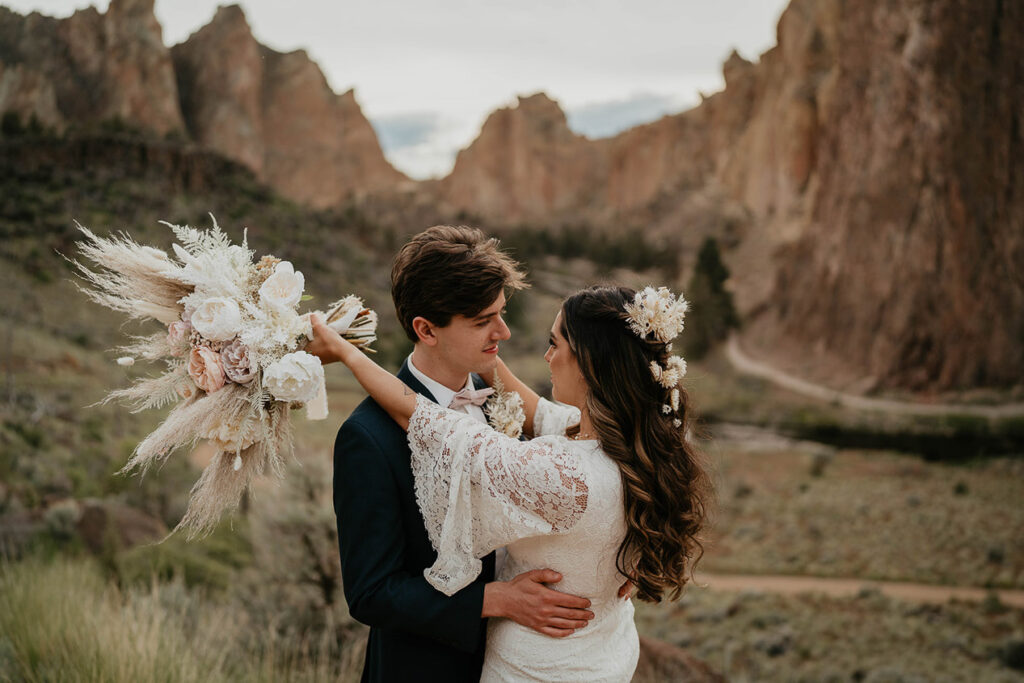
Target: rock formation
{"points": [[89, 68], [525, 164], [910, 263], [276, 113], [872, 158], [863, 174], [273, 112]]}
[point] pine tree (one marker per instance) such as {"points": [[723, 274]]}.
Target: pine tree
{"points": [[712, 313]]}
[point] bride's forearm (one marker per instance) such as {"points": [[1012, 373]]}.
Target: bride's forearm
{"points": [[530, 397], [391, 393], [398, 400]]}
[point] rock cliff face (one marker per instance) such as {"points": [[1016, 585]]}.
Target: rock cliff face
{"points": [[273, 112], [873, 158], [276, 113], [89, 68], [910, 264], [863, 174]]}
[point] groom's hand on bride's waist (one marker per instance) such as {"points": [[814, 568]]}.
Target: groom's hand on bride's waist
{"points": [[527, 601]]}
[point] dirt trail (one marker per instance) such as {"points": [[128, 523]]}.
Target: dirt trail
{"points": [[747, 365], [911, 592]]}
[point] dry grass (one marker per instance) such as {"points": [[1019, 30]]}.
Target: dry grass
{"points": [[763, 637], [792, 508], [63, 621]]}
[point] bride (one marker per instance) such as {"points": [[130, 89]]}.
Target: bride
{"points": [[609, 487]]}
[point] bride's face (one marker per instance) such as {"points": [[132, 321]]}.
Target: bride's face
{"points": [[567, 384]]}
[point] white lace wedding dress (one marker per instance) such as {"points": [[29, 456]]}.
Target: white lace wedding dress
{"points": [[554, 503]]}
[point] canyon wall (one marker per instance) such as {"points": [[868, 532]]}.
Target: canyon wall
{"points": [[273, 112]]}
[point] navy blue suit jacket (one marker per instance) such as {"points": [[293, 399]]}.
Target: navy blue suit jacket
{"points": [[416, 632]]}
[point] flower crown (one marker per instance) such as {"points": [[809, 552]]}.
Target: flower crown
{"points": [[660, 313]]}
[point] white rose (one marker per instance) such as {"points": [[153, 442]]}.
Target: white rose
{"points": [[232, 438], [296, 377], [217, 319], [283, 289]]}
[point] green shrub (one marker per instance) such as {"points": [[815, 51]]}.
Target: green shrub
{"points": [[210, 562], [712, 312]]}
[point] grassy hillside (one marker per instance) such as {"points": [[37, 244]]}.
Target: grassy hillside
{"points": [[261, 598]]}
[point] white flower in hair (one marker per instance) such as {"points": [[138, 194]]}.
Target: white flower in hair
{"points": [[657, 311], [670, 375]]}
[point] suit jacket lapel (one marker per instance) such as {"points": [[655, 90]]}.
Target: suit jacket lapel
{"points": [[405, 374]]}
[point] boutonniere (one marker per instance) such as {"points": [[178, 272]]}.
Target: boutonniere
{"points": [[504, 410]]}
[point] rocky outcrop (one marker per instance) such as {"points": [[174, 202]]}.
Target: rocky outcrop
{"points": [[276, 113], [273, 112], [89, 68], [910, 263], [875, 184], [525, 164], [863, 174]]}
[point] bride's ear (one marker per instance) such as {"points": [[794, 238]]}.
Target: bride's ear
{"points": [[424, 330]]}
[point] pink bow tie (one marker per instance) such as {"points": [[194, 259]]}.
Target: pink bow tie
{"points": [[475, 396]]}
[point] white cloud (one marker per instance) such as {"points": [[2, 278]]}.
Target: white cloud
{"points": [[603, 119]]}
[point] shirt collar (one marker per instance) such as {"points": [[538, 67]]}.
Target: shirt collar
{"points": [[442, 394]]}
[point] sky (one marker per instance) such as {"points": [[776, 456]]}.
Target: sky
{"points": [[427, 74]]}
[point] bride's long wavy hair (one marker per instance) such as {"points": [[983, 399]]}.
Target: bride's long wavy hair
{"points": [[666, 488]]}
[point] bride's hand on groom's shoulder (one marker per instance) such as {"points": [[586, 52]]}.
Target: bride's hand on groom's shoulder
{"points": [[327, 344], [527, 601]]}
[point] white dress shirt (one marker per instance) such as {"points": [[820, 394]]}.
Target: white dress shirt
{"points": [[443, 395]]}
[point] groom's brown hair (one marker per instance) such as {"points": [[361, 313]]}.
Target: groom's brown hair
{"points": [[446, 271]]}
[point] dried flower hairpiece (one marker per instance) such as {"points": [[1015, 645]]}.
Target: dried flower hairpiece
{"points": [[659, 313]]}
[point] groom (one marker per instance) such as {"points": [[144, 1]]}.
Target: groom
{"points": [[449, 286]]}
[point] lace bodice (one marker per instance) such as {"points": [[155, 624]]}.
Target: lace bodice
{"points": [[479, 490], [553, 503]]}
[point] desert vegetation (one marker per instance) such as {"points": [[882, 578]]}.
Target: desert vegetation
{"points": [[87, 586]]}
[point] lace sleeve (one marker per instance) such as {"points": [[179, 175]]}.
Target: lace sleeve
{"points": [[553, 418], [479, 490]]}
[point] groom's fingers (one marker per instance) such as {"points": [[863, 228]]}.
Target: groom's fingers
{"points": [[570, 601], [571, 624], [556, 632], [544, 576], [573, 615]]}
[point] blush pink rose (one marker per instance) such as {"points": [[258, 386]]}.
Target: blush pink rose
{"points": [[237, 364], [177, 337], [205, 369]]}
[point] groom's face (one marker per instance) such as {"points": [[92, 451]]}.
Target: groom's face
{"points": [[471, 343]]}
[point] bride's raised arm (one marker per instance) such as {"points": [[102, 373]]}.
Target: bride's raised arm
{"points": [[477, 489], [543, 417], [529, 396]]}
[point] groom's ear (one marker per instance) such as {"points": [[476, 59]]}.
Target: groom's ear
{"points": [[424, 330]]}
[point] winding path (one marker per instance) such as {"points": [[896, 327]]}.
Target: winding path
{"points": [[842, 587], [747, 365]]}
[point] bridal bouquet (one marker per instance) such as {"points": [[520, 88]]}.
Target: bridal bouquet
{"points": [[232, 347]]}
